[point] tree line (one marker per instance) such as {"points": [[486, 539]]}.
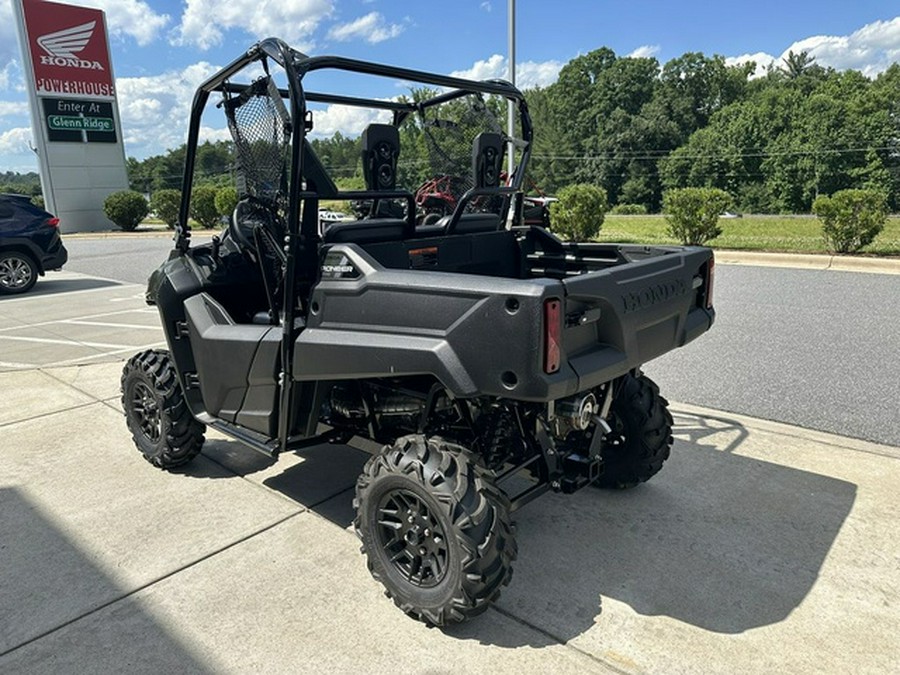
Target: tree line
{"points": [[637, 128], [774, 143]]}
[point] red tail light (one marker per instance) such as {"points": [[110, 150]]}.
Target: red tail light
{"points": [[53, 222], [710, 277], [552, 334]]}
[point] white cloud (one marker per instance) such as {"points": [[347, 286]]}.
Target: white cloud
{"points": [[349, 120], [762, 60], [486, 6], [537, 74], [644, 52], [155, 109], [204, 21], [372, 28], [134, 18], [214, 135], [488, 69], [871, 49], [13, 108], [16, 141], [6, 75], [528, 73]]}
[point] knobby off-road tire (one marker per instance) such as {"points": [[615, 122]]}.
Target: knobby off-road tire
{"points": [[18, 273], [156, 413], [641, 435], [435, 529]]}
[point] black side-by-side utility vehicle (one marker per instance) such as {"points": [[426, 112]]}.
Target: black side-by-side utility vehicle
{"points": [[493, 361]]}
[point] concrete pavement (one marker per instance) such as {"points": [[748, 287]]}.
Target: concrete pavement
{"points": [[759, 547]]}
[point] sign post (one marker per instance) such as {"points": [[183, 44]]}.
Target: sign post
{"points": [[74, 112]]}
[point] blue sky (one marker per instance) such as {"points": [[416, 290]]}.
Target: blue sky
{"points": [[161, 49]]}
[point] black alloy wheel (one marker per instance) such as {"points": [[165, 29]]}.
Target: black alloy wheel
{"points": [[413, 538], [156, 413]]}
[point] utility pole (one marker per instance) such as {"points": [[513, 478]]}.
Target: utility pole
{"points": [[511, 121]]}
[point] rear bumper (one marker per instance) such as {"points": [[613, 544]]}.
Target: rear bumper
{"points": [[55, 260]]}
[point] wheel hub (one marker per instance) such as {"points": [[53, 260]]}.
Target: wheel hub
{"points": [[146, 411], [14, 273], [412, 538]]}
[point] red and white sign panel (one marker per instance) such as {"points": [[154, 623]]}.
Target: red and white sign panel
{"points": [[68, 49]]}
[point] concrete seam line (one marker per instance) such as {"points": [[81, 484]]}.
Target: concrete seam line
{"points": [[150, 583], [557, 639], [72, 386], [52, 412]]}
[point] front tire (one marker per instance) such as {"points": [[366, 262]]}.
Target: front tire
{"points": [[435, 529], [641, 436], [18, 273], [156, 413]]}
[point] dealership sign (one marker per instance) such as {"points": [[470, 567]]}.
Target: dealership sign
{"points": [[75, 119], [79, 121], [69, 53]]}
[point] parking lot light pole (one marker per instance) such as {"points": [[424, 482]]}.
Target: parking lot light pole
{"points": [[511, 117]]}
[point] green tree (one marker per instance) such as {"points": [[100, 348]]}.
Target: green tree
{"points": [[126, 208], [203, 206], [797, 64], [579, 213], [226, 201], [851, 219], [693, 214], [165, 204]]}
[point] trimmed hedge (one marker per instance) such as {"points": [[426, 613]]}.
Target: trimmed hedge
{"points": [[126, 209]]}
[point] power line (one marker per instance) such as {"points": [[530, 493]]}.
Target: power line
{"points": [[648, 154]]}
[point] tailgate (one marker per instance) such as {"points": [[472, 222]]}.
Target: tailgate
{"points": [[623, 316]]}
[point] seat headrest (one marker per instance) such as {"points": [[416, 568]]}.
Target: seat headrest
{"points": [[380, 149]]}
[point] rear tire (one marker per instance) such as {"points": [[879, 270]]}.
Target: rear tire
{"points": [[18, 273], [156, 413], [435, 529], [641, 436]]}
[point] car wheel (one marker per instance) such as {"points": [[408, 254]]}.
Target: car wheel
{"points": [[18, 272]]}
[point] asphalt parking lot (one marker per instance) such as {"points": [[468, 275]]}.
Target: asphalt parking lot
{"points": [[761, 547]]}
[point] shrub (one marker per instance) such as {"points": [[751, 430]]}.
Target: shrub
{"points": [[693, 213], [851, 218], [579, 213], [126, 208], [203, 206], [226, 200], [628, 210], [38, 201], [165, 204]]}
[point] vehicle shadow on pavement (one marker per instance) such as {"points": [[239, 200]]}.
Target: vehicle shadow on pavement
{"points": [[322, 480], [50, 286], [50, 589], [717, 540]]}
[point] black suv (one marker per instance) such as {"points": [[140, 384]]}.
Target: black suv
{"points": [[29, 244]]}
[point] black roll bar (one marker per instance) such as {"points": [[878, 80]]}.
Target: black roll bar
{"points": [[302, 229]]}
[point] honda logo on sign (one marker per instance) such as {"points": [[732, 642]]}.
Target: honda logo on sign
{"points": [[63, 45], [68, 49]]}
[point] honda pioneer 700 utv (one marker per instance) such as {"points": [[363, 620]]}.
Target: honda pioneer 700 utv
{"points": [[493, 361]]}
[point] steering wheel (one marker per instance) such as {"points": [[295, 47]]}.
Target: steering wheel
{"points": [[249, 214]]}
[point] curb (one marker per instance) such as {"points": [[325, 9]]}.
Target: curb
{"points": [[837, 263], [134, 234]]}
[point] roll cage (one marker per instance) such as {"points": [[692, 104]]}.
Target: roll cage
{"points": [[308, 181]]}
